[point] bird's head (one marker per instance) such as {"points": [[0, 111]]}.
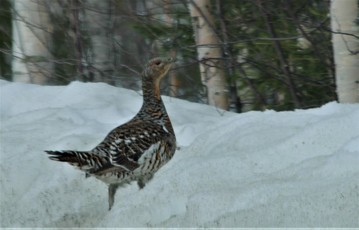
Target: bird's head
{"points": [[157, 68]]}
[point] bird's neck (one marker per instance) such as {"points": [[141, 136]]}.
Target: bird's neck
{"points": [[153, 108], [151, 90], [152, 102]]}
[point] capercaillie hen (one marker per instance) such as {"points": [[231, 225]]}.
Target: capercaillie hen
{"points": [[135, 150]]}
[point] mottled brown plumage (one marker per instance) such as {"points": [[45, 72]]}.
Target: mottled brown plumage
{"points": [[136, 149]]}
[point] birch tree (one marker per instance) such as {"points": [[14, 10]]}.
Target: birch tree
{"points": [[209, 53], [173, 79], [346, 49], [31, 39]]}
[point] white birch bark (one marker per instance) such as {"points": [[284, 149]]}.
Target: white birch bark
{"points": [[31, 40], [212, 73], [172, 77], [343, 15]]}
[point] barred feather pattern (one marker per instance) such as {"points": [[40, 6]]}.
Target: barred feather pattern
{"points": [[136, 149]]}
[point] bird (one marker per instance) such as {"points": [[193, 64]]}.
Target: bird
{"points": [[135, 150]]}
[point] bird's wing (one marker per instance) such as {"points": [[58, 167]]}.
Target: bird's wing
{"points": [[128, 144]]}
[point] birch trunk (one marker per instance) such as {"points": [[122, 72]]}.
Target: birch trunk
{"points": [[346, 49], [209, 53], [31, 33], [172, 77]]}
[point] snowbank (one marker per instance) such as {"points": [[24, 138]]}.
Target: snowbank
{"points": [[257, 169]]}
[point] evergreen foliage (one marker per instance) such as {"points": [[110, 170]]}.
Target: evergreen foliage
{"points": [[299, 29]]}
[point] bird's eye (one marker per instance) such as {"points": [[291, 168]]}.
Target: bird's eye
{"points": [[157, 62]]}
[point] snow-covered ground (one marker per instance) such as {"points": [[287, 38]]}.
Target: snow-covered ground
{"points": [[256, 169]]}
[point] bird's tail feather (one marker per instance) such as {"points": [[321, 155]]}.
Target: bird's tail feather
{"points": [[85, 161]]}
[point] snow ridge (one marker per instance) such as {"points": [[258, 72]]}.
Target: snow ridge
{"points": [[257, 169]]}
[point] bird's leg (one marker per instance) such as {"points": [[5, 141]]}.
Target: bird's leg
{"points": [[141, 183], [143, 180], [111, 194]]}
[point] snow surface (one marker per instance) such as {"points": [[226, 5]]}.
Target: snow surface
{"points": [[256, 169]]}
